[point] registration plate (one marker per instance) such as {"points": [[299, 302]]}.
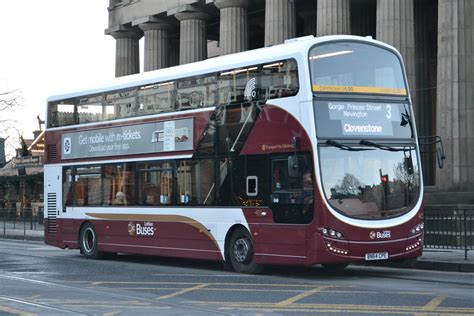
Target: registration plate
{"points": [[376, 256]]}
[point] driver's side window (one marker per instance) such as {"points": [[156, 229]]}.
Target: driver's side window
{"points": [[291, 195]]}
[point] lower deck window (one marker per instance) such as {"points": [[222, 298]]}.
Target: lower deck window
{"points": [[155, 184], [214, 181], [118, 184], [195, 183], [87, 186]]}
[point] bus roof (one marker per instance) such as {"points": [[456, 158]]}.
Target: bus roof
{"points": [[291, 48]]}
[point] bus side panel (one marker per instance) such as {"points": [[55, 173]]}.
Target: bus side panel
{"points": [[276, 243], [166, 238], [70, 230], [273, 132], [180, 232]]}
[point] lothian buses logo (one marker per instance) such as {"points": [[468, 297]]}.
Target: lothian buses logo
{"points": [[67, 145], [131, 229], [380, 235], [147, 229]]}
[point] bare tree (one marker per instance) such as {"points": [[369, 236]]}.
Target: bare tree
{"points": [[349, 186], [9, 100], [402, 173]]}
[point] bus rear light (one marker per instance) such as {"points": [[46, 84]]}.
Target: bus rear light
{"points": [[329, 232], [415, 245]]}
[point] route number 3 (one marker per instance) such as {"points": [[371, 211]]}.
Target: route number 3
{"points": [[389, 111]]}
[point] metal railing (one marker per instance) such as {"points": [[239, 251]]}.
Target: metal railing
{"points": [[19, 222], [446, 227], [450, 227]]}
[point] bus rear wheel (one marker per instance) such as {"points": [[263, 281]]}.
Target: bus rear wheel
{"points": [[88, 242], [241, 252]]}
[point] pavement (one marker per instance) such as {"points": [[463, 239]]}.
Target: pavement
{"points": [[432, 259]]}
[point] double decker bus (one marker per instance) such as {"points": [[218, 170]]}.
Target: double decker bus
{"points": [[302, 153]]}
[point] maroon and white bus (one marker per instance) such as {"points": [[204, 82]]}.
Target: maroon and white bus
{"points": [[302, 153]]}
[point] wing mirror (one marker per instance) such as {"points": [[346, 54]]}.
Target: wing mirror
{"points": [[293, 167], [427, 141]]}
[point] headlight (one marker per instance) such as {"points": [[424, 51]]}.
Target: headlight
{"points": [[332, 233], [418, 228]]}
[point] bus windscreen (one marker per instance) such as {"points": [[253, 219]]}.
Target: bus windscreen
{"points": [[368, 182], [350, 67]]}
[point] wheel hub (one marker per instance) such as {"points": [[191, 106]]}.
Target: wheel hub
{"points": [[89, 240], [242, 250]]}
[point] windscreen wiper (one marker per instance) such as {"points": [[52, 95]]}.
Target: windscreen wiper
{"points": [[334, 143], [383, 147]]}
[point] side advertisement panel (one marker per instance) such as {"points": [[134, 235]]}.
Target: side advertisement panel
{"points": [[176, 135]]}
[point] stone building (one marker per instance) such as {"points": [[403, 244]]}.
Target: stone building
{"points": [[435, 37]]}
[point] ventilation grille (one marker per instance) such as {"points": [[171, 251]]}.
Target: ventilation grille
{"points": [[52, 152], [52, 221]]}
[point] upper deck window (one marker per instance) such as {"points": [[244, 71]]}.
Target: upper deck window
{"points": [[276, 79], [350, 67]]}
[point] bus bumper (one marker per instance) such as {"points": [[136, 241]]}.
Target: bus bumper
{"points": [[329, 250]]}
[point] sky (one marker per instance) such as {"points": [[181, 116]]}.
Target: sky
{"points": [[50, 47]]}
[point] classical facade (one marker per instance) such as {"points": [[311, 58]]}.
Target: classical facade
{"points": [[435, 38]]}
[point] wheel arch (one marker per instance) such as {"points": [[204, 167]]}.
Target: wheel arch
{"points": [[231, 230], [80, 230]]}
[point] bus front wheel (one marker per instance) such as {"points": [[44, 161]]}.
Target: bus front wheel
{"points": [[241, 252], [88, 242]]}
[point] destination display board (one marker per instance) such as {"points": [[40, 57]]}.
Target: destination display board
{"points": [[336, 119], [167, 136]]}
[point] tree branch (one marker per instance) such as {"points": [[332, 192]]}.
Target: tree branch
{"points": [[10, 99]]}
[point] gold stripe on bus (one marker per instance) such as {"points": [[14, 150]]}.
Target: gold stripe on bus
{"points": [[359, 89], [156, 218]]}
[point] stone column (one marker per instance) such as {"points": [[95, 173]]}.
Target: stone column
{"points": [[156, 45], [173, 52], [426, 13], [192, 37], [396, 26], [279, 21], [127, 59], [233, 32], [333, 17], [308, 13], [455, 102], [363, 18]]}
